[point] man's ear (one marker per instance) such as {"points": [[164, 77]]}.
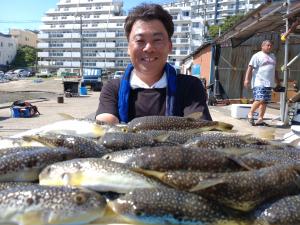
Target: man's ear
{"points": [[170, 46]]}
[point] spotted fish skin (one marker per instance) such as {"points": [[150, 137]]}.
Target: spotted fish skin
{"points": [[173, 123], [83, 147], [165, 158], [170, 206], [239, 190], [26, 165], [119, 141], [96, 174], [259, 159], [175, 137], [37, 205], [214, 140], [8, 185], [285, 211]]}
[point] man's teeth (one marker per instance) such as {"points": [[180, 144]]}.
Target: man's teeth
{"points": [[149, 59]]}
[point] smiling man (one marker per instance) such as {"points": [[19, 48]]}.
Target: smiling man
{"points": [[150, 86]]}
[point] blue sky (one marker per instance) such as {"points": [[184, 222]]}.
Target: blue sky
{"points": [[26, 14]]}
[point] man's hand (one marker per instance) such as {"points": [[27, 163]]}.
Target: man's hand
{"points": [[246, 83], [248, 76]]}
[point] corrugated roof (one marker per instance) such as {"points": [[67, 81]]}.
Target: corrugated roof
{"points": [[266, 18]]}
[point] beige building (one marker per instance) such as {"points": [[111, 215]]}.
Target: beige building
{"points": [[24, 37]]}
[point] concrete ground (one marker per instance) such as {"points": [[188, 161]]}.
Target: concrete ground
{"points": [[85, 106]]}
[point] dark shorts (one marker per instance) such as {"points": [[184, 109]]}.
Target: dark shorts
{"points": [[262, 94]]}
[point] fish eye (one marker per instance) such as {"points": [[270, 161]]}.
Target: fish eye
{"points": [[29, 201], [80, 199], [107, 157]]}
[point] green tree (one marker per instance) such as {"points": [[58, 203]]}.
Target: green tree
{"points": [[25, 57], [229, 22]]}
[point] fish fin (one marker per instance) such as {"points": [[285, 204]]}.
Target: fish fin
{"points": [[206, 184], [195, 115], [240, 162], [223, 126], [234, 151], [66, 116], [36, 138], [161, 138], [149, 173]]}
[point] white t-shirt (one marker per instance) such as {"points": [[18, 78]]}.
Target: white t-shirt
{"points": [[264, 66], [136, 82]]}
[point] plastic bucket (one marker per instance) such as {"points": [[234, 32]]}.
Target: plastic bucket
{"points": [[60, 99], [83, 91]]}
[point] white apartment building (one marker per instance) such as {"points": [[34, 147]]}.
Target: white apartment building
{"points": [[8, 49], [90, 33], [87, 31], [216, 11]]}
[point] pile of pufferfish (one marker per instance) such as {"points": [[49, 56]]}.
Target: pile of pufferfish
{"points": [[153, 170]]}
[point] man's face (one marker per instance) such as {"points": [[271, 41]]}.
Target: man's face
{"points": [[267, 47], [149, 46]]}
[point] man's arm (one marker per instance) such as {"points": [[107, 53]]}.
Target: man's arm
{"points": [[195, 98], [248, 76], [108, 103]]}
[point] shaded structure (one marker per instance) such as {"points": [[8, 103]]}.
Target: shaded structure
{"points": [[269, 21]]}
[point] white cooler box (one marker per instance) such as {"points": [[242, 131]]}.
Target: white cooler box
{"points": [[240, 111]]}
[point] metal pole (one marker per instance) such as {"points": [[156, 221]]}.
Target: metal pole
{"points": [[283, 110]]}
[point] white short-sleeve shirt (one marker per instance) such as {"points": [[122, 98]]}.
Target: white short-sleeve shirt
{"points": [[264, 66]]}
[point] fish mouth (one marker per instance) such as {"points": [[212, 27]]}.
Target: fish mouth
{"points": [[98, 131]]}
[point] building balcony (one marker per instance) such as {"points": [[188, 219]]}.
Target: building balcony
{"points": [[106, 45], [105, 64], [43, 54], [75, 2], [43, 45]]}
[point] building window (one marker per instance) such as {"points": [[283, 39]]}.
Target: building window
{"points": [[119, 24], [68, 1], [186, 13], [86, 16], [88, 8], [196, 25], [66, 9], [94, 25]]}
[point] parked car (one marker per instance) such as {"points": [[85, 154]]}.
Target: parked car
{"points": [[23, 73], [11, 75], [118, 74]]}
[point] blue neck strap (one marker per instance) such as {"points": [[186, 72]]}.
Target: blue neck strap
{"points": [[124, 90]]}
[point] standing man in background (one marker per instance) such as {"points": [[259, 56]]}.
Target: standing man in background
{"points": [[150, 85], [262, 71]]}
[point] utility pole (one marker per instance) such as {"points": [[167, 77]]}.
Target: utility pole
{"points": [[81, 48]]}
